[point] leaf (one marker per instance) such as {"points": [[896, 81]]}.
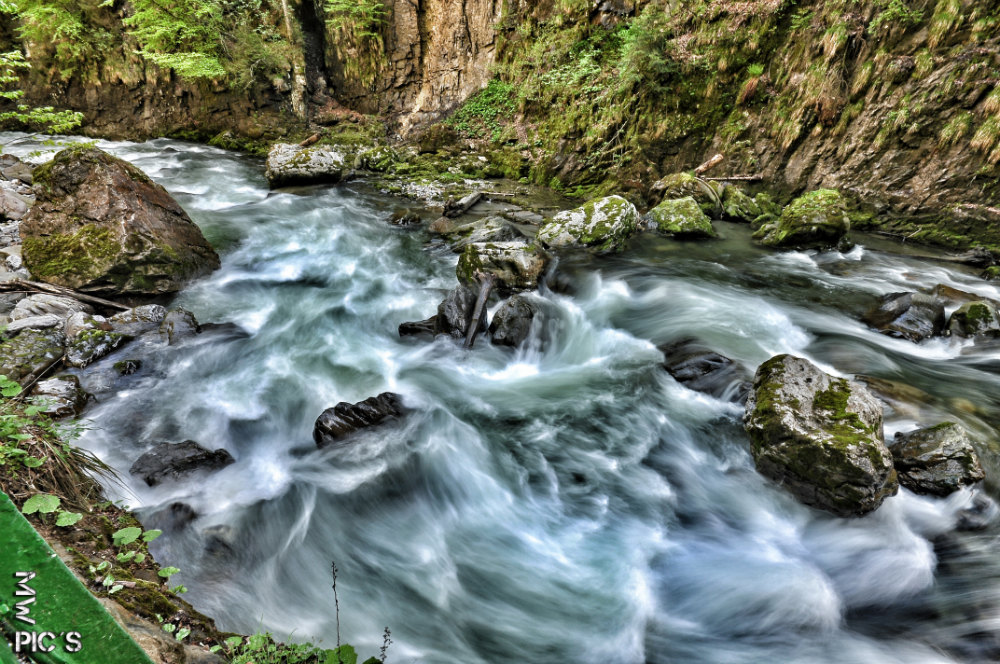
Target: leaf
{"points": [[126, 536], [234, 642], [108, 580], [151, 535], [43, 503], [34, 462], [139, 557], [179, 590], [103, 566], [167, 572], [68, 518], [113, 589], [126, 556], [182, 633], [10, 390], [345, 654], [169, 628], [215, 649]]}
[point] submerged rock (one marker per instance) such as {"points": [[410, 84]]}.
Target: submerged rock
{"points": [[913, 316], [517, 266], [289, 164], [819, 436], [602, 226], [511, 325], [817, 220], [170, 461], [100, 225], [703, 370], [683, 219], [938, 460], [974, 319], [61, 396], [344, 419]]}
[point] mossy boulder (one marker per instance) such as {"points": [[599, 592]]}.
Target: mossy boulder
{"points": [[913, 316], [680, 185], [288, 164], [938, 460], [819, 436], [974, 319], [90, 345], [682, 218], [601, 226], [30, 353], [737, 206], [100, 225], [517, 266], [817, 220]]}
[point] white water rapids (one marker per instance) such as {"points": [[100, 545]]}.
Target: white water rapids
{"points": [[566, 502]]}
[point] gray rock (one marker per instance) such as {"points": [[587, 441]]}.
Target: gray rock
{"points": [[30, 352], [10, 234], [177, 325], [13, 206], [43, 304], [678, 185], [511, 325], [913, 316], [139, 320], [517, 266], [703, 370], [737, 206], [344, 419], [288, 164], [90, 345], [974, 319], [34, 323], [80, 321], [819, 436], [938, 460], [455, 312], [61, 396], [601, 226], [171, 461], [13, 168], [486, 230]]}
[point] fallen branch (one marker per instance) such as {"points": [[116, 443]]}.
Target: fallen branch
{"points": [[485, 286], [711, 163], [66, 292], [741, 178], [312, 139], [26, 387]]}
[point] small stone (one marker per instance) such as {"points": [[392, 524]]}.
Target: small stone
{"points": [[61, 396], [974, 319], [34, 323], [137, 321], [912, 316], [127, 367], [177, 325], [90, 345]]}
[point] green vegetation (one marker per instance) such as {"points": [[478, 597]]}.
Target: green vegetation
{"points": [[354, 27], [485, 112]]}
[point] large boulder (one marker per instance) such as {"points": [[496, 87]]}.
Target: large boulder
{"points": [[737, 206], [100, 225], [913, 316], [938, 460], [682, 218], [678, 185], [455, 312], [602, 226], [819, 436], [517, 266], [289, 164], [974, 319], [170, 461], [817, 220], [482, 231], [61, 396], [344, 419]]}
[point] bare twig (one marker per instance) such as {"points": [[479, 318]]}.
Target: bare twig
{"points": [[66, 292], [733, 178]]}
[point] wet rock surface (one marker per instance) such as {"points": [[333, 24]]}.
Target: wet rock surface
{"points": [[171, 461], [337, 423], [701, 369], [937, 460], [913, 316]]}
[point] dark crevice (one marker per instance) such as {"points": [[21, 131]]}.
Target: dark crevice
{"points": [[310, 15]]}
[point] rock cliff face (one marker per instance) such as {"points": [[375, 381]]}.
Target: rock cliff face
{"points": [[437, 53]]}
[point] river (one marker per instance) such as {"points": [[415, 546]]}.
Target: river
{"points": [[565, 502]]}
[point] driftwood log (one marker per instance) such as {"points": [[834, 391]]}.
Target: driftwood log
{"points": [[24, 284]]}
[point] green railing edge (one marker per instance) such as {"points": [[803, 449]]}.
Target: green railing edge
{"points": [[62, 603]]}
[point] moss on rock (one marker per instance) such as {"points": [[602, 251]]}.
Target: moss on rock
{"points": [[682, 218], [601, 226], [816, 220]]}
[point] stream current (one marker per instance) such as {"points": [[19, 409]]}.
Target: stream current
{"points": [[564, 502]]}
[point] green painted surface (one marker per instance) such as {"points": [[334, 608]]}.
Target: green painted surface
{"points": [[61, 604]]}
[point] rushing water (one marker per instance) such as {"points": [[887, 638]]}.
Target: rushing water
{"points": [[566, 502]]}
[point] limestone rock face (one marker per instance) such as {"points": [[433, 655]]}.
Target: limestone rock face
{"points": [[682, 218], [817, 220], [819, 436], [336, 423], [289, 164], [601, 226], [938, 460], [100, 225]]}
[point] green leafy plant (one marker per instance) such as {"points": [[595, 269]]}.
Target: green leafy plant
{"points": [[355, 29], [894, 12], [484, 112]]}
